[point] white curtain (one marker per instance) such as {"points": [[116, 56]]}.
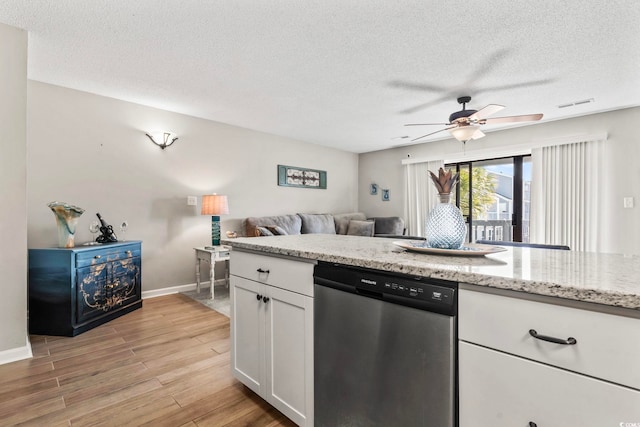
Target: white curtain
{"points": [[565, 189], [420, 195]]}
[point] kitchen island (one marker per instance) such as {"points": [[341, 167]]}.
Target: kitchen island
{"points": [[545, 337], [607, 279]]}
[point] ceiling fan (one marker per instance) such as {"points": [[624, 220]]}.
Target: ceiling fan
{"points": [[465, 124]]}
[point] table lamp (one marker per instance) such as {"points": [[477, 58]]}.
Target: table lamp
{"points": [[214, 205]]}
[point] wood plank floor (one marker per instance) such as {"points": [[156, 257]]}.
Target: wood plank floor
{"points": [[166, 364]]}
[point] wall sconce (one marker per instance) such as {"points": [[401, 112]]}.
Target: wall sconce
{"points": [[214, 205], [162, 139]]}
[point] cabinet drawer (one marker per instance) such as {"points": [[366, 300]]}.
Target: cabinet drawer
{"points": [[607, 346], [501, 390], [292, 275], [101, 255]]}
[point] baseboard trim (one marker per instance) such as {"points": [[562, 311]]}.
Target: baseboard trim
{"points": [[15, 354], [172, 290]]}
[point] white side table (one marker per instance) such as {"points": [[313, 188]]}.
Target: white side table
{"points": [[217, 253]]}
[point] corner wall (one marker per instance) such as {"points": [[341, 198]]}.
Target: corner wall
{"points": [[620, 167], [91, 151], [13, 173]]}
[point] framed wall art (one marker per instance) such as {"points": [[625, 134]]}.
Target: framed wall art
{"points": [[292, 176]]}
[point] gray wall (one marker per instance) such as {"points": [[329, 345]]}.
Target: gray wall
{"points": [[13, 174], [92, 152], [620, 167]]}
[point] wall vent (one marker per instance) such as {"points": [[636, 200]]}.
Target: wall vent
{"points": [[573, 104]]}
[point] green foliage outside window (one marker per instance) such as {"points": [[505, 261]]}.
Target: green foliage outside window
{"points": [[484, 188]]}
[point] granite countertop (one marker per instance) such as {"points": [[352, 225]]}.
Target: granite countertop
{"points": [[609, 279]]}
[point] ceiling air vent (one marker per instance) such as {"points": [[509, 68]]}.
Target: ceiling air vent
{"points": [[573, 104]]}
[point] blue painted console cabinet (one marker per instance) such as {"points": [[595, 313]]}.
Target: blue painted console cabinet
{"points": [[74, 290]]}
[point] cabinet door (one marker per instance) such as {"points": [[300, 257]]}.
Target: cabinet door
{"points": [[247, 333], [124, 285], [289, 358], [105, 287], [91, 299], [498, 389]]}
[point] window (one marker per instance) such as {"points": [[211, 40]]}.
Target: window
{"points": [[494, 197]]}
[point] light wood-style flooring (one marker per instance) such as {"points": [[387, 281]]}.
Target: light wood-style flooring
{"points": [[166, 364]]}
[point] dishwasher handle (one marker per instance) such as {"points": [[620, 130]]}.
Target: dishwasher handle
{"points": [[368, 293], [333, 284]]}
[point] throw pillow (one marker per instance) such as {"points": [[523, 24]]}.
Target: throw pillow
{"points": [[276, 230], [342, 225], [342, 220], [318, 223], [263, 231], [360, 228]]}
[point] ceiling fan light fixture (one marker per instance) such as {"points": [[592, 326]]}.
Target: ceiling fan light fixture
{"points": [[466, 133]]}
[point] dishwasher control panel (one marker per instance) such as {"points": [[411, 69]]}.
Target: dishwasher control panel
{"points": [[408, 289], [419, 292]]}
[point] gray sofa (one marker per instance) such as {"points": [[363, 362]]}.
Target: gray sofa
{"points": [[354, 223]]}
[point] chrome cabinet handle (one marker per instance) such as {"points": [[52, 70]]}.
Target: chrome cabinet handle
{"points": [[97, 257], [128, 253], [260, 270], [568, 341]]}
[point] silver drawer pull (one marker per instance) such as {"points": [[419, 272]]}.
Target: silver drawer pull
{"points": [[568, 341], [260, 270], [97, 257], [128, 253]]}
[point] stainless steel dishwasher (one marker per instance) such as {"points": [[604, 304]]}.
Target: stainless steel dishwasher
{"points": [[384, 349]]}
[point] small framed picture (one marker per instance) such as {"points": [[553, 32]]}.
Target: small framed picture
{"points": [[292, 176], [373, 189], [385, 195]]}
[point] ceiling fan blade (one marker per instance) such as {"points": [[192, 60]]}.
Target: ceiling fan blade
{"points": [[417, 86], [428, 124], [516, 85], [432, 133], [425, 105], [511, 119], [488, 65], [486, 112]]}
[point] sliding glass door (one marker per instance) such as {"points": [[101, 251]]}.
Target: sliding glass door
{"points": [[494, 197]]}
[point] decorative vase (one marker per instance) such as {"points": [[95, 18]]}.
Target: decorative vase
{"points": [[66, 218], [445, 228]]}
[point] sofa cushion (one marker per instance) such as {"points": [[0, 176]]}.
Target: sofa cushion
{"points": [[342, 220], [290, 223], [393, 225], [360, 228], [317, 223]]}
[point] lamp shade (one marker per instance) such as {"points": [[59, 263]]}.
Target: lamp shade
{"points": [[466, 133], [214, 204]]}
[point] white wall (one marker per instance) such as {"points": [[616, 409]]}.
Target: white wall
{"points": [[13, 215], [92, 152], [620, 165]]}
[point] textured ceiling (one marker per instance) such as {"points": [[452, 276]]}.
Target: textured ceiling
{"points": [[340, 73]]}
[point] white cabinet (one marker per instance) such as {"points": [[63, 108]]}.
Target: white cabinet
{"points": [[272, 332], [499, 389], [507, 377]]}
